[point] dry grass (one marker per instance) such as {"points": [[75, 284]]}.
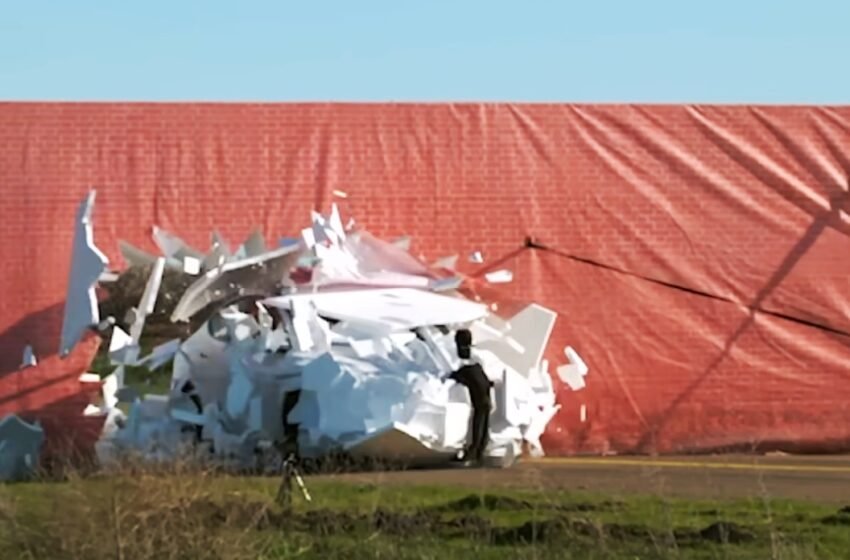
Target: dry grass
{"points": [[183, 512]]}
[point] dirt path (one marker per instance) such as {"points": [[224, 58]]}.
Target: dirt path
{"points": [[816, 478]]}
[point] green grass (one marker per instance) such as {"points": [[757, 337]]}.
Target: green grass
{"points": [[140, 378], [213, 516]]}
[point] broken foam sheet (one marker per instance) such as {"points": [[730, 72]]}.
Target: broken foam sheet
{"points": [[398, 308], [135, 256], [398, 401], [172, 246], [160, 355], [449, 262], [335, 223], [191, 265], [148, 301], [573, 372], [499, 276], [446, 284], [122, 348], [266, 273], [28, 359], [108, 277], [255, 245], [109, 391], [402, 242], [20, 448], [87, 264], [530, 332]]}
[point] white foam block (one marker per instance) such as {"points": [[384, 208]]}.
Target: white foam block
{"points": [[109, 389], [238, 393], [335, 223], [89, 378], [446, 284], [449, 262], [160, 355], [191, 265], [87, 264], [135, 256], [530, 331], [403, 308], [28, 359], [148, 301], [172, 246], [571, 375], [189, 417], [320, 374], [402, 242], [255, 245], [499, 276]]}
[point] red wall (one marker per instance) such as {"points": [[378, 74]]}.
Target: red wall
{"points": [[745, 203]]}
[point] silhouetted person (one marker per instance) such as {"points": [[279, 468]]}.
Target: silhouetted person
{"points": [[471, 375], [190, 390], [289, 444]]}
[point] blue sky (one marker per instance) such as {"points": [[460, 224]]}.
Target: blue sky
{"points": [[717, 51]]}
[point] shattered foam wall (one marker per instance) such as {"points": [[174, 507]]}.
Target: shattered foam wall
{"points": [[746, 207]]}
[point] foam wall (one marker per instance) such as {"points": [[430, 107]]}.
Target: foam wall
{"points": [[744, 206]]}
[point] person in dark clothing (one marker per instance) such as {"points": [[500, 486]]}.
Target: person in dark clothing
{"points": [[289, 445], [472, 376], [190, 390]]}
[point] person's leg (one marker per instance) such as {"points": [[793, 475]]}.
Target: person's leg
{"points": [[290, 431], [478, 426], [484, 431]]}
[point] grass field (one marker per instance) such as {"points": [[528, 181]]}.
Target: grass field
{"points": [[199, 515], [209, 516]]}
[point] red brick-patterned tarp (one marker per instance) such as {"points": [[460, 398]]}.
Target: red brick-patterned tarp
{"points": [[745, 207]]}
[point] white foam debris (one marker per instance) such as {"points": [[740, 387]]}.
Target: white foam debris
{"points": [[340, 194], [87, 264], [148, 301], [135, 256], [573, 372], [499, 276], [264, 273], [160, 355], [173, 247], [28, 358], [476, 257], [447, 284], [107, 277], [20, 446], [402, 242], [255, 245], [361, 331], [449, 262], [122, 347], [89, 378], [191, 265]]}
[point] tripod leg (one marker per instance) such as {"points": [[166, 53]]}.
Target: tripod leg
{"points": [[302, 486], [284, 493]]}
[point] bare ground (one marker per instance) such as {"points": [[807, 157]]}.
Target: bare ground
{"points": [[815, 478]]}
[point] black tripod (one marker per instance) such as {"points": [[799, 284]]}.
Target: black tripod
{"points": [[289, 451], [290, 471]]}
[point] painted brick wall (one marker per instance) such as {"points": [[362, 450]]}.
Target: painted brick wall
{"points": [[747, 204]]}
